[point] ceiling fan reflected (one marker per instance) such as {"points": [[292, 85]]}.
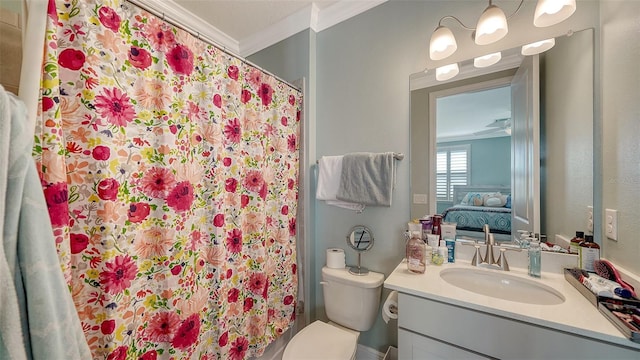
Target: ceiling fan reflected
{"points": [[496, 127]]}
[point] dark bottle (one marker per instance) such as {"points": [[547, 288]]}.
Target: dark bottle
{"points": [[574, 245], [589, 252]]}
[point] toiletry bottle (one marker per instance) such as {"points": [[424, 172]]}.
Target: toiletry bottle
{"points": [[589, 252], [427, 226], [428, 255], [437, 222], [574, 245], [416, 253], [535, 256], [443, 252]]}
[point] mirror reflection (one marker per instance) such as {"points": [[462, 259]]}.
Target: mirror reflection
{"points": [[470, 160]]}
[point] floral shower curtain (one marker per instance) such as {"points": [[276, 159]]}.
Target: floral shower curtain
{"points": [[170, 171]]}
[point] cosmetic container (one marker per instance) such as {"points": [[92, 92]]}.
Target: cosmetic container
{"points": [[574, 245], [451, 250], [416, 252], [589, 252], [535, 255]]}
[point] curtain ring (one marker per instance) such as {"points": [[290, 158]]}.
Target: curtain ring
{"points": [[163, 18], [199, 35]]}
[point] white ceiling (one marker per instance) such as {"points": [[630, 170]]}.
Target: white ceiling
{"points": [[247, 26]]}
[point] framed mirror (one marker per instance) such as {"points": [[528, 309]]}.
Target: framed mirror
{"points": [[565, 126]]}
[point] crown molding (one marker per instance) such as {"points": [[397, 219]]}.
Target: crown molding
{"points": [[179, 15], [343, 10], [309, 17]]}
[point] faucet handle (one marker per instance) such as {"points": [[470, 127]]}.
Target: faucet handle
{"points": [[502, 259]]}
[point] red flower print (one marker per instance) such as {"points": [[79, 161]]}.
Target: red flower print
{"points": [[71, 59], [292, 226], [231, 185], [234, 241], [232, 71], [238, 348], [217, 101], [283, 121], [253, 181], [180, 59], [291, 184], [232, 296], [257, 282], [265, 93], [57, 196], [138, 212], [284, 210], [248, 304], [47, 103], [245, 96], [157, 182], [181, 197], [187, 333], [107, 327], [218, 220], [149, 355], [292, 143], [176, 270], [120, 353], [114, 105], [173, 129], [139, 58], [292, 100], [226, 161], [294, 268], [162, 326], [118, 274], [52, 11], [232, 130], [101, 152], [108, 189], [78, 242], [229, 273], [244, 201], [224, 338], [288, 299], [109, 18]]}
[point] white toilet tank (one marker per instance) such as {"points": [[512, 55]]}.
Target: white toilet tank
{"points": [[351, 300]]}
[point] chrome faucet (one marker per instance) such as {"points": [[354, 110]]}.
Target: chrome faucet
{"points": [[489, 242]]}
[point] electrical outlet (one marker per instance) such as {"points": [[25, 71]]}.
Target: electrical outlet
{"points": [[611, 224], [590, 219], [419, 198]]}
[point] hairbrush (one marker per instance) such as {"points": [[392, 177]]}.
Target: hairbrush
{"points": [[606, 269]]}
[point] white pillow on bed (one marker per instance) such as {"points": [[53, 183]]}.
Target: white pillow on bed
{"points": [[494, 200]]}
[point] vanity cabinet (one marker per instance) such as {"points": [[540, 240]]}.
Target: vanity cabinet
{"points": [[430, 329]]}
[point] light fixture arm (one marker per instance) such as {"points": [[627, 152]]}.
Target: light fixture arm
{"points": [[472, 29]]}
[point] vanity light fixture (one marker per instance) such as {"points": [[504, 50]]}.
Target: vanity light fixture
{"points": [[442, 43], [487, 60], [447, 72], [492, 25], [551, 12], [538, 47]]}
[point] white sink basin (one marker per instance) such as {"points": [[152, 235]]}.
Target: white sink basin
{"points": [[502, 286]]}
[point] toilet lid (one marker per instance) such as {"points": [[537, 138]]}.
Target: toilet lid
{"points": [[321, 341]]}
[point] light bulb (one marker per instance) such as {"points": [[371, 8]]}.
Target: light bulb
{"points": [[492, 26], [487, 60], [447, 72], [551, 12], [538, 47], [442, 43]]}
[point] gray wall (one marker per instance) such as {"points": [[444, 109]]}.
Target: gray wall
{"points": [[619, 171], [362, 104]]}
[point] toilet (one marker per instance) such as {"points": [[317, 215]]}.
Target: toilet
{"points": [[351, 303]]}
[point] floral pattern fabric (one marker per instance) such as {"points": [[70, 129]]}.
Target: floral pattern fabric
{"points": [[170, 171]]}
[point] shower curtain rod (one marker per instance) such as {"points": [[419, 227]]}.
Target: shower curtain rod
{"points": [[397, 156], [208, 40]]}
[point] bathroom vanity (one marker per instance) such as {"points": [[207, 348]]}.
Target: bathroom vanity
{"points": [[439, 320]]}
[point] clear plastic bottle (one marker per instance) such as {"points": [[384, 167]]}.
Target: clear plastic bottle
{"points": [[535, 255], [416, 252]]}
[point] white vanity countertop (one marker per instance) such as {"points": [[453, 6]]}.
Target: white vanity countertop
{"points": [[576, 315]]}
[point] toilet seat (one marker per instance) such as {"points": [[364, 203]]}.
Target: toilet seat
{"points": [[321, 341]]}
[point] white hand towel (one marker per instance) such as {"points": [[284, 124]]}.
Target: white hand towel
{"points": [[329, 172]]}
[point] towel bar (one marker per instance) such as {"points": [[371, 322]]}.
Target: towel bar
{"points": [[397, 156]]}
